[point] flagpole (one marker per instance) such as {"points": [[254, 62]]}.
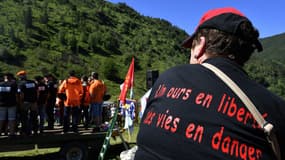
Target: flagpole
{"points": [[129, 133]]}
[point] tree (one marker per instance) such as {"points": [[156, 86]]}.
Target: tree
{"points": [[61, 37], [110, 70], [93, 41], [63, 1], [5, 55], [2, 29], [12, 34], [73, 44], [111, 41], [28, 18], [83, 37], [44, 18]]}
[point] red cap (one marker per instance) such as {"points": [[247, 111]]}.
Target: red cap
{"points": [[225, 19]]}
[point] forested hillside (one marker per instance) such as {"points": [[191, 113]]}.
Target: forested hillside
{"points": [[56, 36], [85, 35], [268, 67]]}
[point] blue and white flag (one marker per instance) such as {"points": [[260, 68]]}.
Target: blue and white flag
{"points": [[128, 112]]}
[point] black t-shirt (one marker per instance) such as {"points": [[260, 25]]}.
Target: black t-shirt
{"points": [[8, 92], [29, 89], [192, 114], [52, 89], [42, 93]]}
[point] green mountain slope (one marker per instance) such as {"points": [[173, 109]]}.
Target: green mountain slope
{"points": [[56, 36], [85, 35], [268, 67]]}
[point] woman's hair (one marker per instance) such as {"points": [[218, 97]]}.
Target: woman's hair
{"points": [[238, 47]]}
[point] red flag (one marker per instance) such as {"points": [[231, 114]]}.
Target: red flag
{"points": [[128, 83]]}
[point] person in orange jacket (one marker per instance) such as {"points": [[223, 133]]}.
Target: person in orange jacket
{"points": [[72, 88], [97, 91]]}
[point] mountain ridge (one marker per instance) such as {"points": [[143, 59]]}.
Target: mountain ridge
{"points": [[95, 35]]}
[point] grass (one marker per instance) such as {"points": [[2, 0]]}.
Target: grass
{"points": [[30, 153]]}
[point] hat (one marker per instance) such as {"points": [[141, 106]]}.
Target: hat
{"points": [[21, 73], [225, 19]]}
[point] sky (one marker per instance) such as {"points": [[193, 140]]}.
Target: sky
{"points": [[268, 16]]}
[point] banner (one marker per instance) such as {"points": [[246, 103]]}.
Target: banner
{"points": [[144, 102]]}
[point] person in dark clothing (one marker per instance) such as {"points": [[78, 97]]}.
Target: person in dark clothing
{"points": [[8, 103], [42, 93], [27, 90], [192, 114], [51, 99], [59, 107], [85, 102]]}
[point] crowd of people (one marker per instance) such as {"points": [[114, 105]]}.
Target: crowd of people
{"points": [[31, 106]]}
